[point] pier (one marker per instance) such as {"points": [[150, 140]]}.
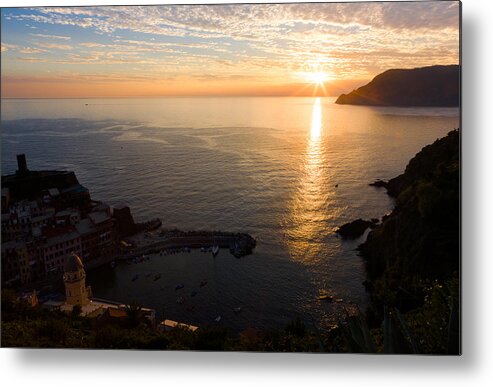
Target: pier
{"points": [[239, 244]]}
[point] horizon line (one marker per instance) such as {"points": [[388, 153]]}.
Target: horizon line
{"points": [[184, 96]]}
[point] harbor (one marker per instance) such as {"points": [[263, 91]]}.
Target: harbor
{"points": [[239, 244]]}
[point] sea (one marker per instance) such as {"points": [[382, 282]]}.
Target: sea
{"points": [[287, 170]]}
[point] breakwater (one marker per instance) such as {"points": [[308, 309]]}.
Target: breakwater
{"points": [[239, 244]]}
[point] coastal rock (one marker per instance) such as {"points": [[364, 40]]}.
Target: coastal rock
{"points": [[379, 183], [354, 229], [425, 86]]}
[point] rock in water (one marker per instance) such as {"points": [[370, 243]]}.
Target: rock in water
{"points": [[354, 229], [379, 183]]}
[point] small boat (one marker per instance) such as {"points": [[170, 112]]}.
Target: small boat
{"points": [[179, 286], [218, 318], [134, 278], [180, 300], [157, 276], [215, 250], [148, 274], [237, 310], [338, 300], [194, 293], [203, 283]]}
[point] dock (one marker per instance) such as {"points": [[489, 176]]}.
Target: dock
{"points": [[239, 244]]}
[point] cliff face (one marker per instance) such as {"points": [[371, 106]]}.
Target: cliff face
{"points": [[425, 86], [420, 239]]}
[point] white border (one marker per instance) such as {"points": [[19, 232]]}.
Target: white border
{"points": [[130, 368]]}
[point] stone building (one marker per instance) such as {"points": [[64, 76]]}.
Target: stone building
{"points": [[74, 277]]}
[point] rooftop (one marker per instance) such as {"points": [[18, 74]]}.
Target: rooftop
{"points": [[79, 188], [61, 237], [85, 226], [53, 191], [99, 217], [173, 324]]}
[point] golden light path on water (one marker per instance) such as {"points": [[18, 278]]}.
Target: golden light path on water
{"points": [[311, 204]]}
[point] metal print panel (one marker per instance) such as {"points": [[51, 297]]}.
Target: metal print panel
{"points": [[232, 177]]}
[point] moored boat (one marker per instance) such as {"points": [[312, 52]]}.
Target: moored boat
{"points": [[215, 250]]}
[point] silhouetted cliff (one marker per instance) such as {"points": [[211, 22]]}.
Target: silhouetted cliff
{"points": [[425, 86], [413, 256], [420, 238]]}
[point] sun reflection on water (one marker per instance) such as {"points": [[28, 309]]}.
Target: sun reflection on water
{"points": [[316, 127], [306, 223]]}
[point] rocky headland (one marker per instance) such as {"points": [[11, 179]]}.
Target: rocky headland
{"points": [[413, 256], [425, 86]]}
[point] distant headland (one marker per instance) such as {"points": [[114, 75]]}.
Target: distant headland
{"points": [[425, 86]]}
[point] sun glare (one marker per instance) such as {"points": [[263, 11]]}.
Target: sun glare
{"points": [[316, 77]]}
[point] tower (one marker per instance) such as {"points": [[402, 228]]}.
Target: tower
{"points": [[22, 164], [74, 278]]}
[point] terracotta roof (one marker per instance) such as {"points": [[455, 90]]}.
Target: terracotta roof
{"points": [[117, 313]]}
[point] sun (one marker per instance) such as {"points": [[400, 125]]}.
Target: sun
{"points": [[316, 77]]}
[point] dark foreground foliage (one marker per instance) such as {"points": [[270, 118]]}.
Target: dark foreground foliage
{"points": [[424, 330], [25, 326]]}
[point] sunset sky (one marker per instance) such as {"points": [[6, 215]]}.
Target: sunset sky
{"points": [[276, 49]]}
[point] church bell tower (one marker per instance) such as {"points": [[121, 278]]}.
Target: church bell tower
{"points": [[74, 278]]}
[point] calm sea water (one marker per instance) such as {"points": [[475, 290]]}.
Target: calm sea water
{"points": [[287, 170]]}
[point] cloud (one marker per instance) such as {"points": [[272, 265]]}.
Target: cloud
{"points": [[55, 46], [243, 21], [7, 47], [267, 41], [27, 59], [31, 50], [51, 36]]}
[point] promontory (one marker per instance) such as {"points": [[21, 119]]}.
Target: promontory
{"points": [[425, 86]]}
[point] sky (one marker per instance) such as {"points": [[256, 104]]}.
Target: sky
{"points": [[297, 49]]}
